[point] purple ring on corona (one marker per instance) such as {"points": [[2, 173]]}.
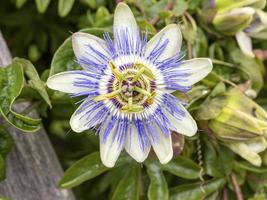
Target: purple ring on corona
{"points": [[126, 83]]}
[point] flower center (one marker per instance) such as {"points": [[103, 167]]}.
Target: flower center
{"points": [[132, 88]]}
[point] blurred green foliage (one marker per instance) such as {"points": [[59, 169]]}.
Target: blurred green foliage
{"points": [[207, 166]]}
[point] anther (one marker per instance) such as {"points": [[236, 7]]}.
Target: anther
{"points": [[108, 95], [147, 72], [150, 100], [138, 74], [142, 91], [115, 71]]}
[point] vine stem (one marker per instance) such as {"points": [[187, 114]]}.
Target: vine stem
{"points": [[225, 194], [200, 164], [236, 186], [118, 1], [261, 53], [169, 6]]}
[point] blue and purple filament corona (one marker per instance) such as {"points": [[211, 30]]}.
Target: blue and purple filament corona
{"points": [[126, 85]]}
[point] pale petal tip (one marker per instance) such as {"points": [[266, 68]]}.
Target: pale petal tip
{"points": [[108, 163], [74, 125], [122, 5], [107, 159], [50, 83], [75, 38], [122, 9], [210, 65], [194, 129], [138, 158], [167, 158]]}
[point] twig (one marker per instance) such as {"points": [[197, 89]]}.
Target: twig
{"points": [[237, 188], [225, 194], [118, 1], [155, 19], [139, 7], [261, 54], [200, 163], [189, 49]]}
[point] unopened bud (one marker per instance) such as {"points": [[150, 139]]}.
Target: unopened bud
{"points": [[233, 21]]}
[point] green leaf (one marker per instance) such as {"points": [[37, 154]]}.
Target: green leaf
{"points": [[211, 108], [218, 160], [11, 84], [84, 169], [63, 59], [129, 187], [158, 188], [101, 13], [20, 3], [247, 166], [42, 5], [180, 7], [194, 192], [6, 141], [182, 167], [2, 168], [64, 7], [34, 80], [91, 3], [253, 68]]}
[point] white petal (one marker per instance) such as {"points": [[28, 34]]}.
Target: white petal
{"points": [[133, 146], [124, 18], [186, 125], [110, 149], [257, 145], [82, 41], [197, 69], [64, 82], [163, 147], [245, 43], [173, 34], [245, 152], [80, 118], [262, 16]]}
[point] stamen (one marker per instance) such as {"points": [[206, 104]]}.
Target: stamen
{"points": [[108, 95], [130, 107], [148, 72], [138, 74], [150, 100], [115, 71], [142, 91], [130, 102]]}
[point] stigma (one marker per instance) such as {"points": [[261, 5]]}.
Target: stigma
{"points": [[132, 88]]}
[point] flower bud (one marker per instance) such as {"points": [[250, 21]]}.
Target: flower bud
{"points": [[226, 5], [234, 20], [239, 123], [258, 26]]}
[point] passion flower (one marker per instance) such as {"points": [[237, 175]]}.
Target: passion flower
{"points": [[126, 83]]}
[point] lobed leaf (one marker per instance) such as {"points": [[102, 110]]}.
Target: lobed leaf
{"points": [[158, 188], [34, 80], [11, 84], [2, 168], [84, 169], [129, 187], [194, 192], [42, 5], [182, 167], [64, 7], [6, 141]]}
